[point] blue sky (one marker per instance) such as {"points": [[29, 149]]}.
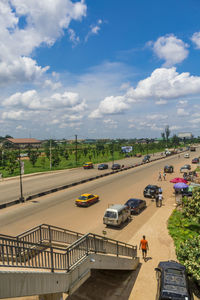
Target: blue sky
{"points": [[99, 69]]}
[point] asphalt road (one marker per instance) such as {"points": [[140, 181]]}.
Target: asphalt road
{"points": [[59, 208], [10, 188]]}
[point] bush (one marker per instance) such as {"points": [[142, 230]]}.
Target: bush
{"points": [[189, 254], [191, 206]]}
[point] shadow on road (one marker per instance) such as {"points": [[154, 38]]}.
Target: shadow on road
{"points": [[107, 285]]}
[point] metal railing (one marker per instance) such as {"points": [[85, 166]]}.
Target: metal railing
{"points": [[18, 252], [50, 234]]}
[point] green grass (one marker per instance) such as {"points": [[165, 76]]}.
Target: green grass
{"points": [[64, 164], [181, 228]]}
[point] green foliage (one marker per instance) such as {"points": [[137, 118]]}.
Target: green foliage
{"points": [[33, 157], [55, 158], [12, 163], [189, 254], [185, 230], [191, 206]]}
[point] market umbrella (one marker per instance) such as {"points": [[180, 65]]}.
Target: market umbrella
{"points": [[178, 179], [180, 185]]}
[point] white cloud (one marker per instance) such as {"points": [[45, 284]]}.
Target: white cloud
{"points": [[195, 121], [182, 112], [161, 102], [43, 23], [19, 70], [19, 115], [32, 100], [52, 85], [183, 102], [175, 127], [73, 37], [165, 83], [196, 39], [110, 105], [156, 117], [110, 123], [171, 49], [94, 30]]}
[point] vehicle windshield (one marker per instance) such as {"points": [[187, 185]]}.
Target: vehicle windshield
{"points": [[110, 214], [82, 198], [132, 203]]}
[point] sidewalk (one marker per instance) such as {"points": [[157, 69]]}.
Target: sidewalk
{"points": [[161, 248]]}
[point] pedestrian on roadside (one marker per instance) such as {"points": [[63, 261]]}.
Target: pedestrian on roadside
{"points": [[160, 197], [144, 246], [159, 177], [164, 175], [157, 199]]}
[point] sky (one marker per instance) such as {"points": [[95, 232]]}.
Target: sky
{"points": [[99, 68]]}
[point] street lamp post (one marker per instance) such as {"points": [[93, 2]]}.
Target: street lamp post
{"points": [[21, 199]]}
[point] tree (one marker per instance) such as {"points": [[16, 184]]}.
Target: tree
{"points": [[55, 158], [66, 155], [191, 206], [165, 135], [188, 254], [175, 140], [33, 157], [43, 161], [12, 163]]}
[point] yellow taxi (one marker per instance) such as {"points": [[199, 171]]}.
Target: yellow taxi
{"points": [[88, 165], [86, 199]]}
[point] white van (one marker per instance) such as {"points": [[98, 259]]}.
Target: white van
{"points": [[116, 214]]}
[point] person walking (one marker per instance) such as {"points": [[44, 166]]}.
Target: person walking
{"points": [[160, 197], [164, 175], [159, 177], [157, 199], [144, 246]]}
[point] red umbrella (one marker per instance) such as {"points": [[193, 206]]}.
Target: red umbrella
{"points": [[177, 179]]}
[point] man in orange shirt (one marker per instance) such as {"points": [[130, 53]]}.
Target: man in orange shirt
{"points": [[144, 246]]}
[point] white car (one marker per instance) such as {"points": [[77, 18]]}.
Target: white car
{"points": [[186, 155]]}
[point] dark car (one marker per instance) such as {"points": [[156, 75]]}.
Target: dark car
{"points": [[146, 158], [136, 205], [195, 160], [168, 169], [185, 167], [116, 167], [151, 191], [172, 281], [102, 166]]}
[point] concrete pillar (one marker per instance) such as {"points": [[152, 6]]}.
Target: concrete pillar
{"points": [[54, 296]]}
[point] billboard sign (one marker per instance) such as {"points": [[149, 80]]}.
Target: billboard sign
{"points": [[127, 149]]}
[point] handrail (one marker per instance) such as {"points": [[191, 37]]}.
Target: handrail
{"points": [[43, 254]]}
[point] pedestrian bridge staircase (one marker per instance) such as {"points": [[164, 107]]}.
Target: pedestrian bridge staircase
{"points": [[48, 260]]}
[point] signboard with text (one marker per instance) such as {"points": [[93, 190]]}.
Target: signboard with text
{"points": [[127, 149]]}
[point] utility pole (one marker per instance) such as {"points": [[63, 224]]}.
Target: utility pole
{"points": [[76, 147], [50, 156], [21, 199], [113, 153]]}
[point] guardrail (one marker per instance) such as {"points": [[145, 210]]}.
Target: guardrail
{"points": [[34, 196], [20, 253]]}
